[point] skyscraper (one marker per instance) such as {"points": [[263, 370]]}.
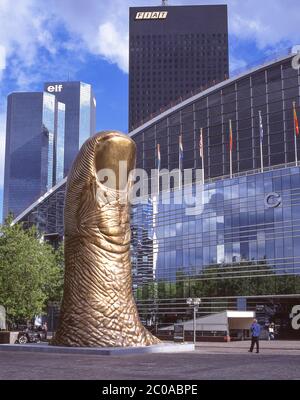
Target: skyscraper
{"points": [[32, 142], [44, 133], [173, 51], [80, 110]]}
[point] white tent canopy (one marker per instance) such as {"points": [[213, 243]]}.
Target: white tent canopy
{"points": [[223, 321], [2, 318]]}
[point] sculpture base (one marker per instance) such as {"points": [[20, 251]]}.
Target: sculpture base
{"points": [[103, 351]]}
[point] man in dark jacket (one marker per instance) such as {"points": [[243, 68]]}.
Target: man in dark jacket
{"points": [[255, 332]]}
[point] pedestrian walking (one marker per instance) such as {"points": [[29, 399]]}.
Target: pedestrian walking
{"points": [[255, 332]]}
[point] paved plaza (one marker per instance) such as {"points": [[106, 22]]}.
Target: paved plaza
{"points": [[230, 361]]}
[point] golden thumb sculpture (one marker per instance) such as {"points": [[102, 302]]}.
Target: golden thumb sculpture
{"points": [[98, 308]]}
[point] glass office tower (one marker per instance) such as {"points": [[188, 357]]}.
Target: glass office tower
{"points": [[174, 51], [44, 134], [80, 111], [29, 154]]}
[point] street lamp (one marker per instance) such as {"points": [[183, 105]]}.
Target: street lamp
{"points": [[194, 302]]}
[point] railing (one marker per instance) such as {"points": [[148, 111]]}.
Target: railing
{"points": [[252, 172]]}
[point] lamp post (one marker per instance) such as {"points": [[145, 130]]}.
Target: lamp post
{"points": [[194, 302]]}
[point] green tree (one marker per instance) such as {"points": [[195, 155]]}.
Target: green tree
{"points": [[55, 284], [31, 272]]}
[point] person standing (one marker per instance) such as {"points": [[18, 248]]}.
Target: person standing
{"points": [[255, 332], [45, 330], [271, 332]]}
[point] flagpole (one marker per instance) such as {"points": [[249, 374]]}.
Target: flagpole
{"points": [[230, 128], [179, 166], [158, 167], [202, 154], [179, 161], [295, 133], [261, 158], [261, 142]]}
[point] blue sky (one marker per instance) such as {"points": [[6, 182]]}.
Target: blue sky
{"points": [[87, 40]]}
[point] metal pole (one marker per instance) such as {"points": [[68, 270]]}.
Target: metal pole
{"points": [[296, 155], [180, 165], [295, 135], [261, 145], [230, 164], [194, 325], [261, 158], [230, 128], [202, 144]]}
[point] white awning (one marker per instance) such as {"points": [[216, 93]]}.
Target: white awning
{"points": [[222, 321]]}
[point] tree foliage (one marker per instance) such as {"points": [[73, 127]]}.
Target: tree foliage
{"points": [[31, 272]]}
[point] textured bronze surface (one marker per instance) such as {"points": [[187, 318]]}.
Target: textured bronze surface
{"points": [[98, 307]]}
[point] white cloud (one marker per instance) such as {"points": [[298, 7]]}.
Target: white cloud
{"points": [[2, 57], [101, 28], [2, 60], [113, 46], [23, 30], [267, 22]]}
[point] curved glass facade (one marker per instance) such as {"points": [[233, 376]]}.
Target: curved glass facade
{"points": [[244, 243], [47, 214], [242, 251]]}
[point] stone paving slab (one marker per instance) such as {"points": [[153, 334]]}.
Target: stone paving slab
{"points": [[205, 364], [264, 345], [106, 351]]}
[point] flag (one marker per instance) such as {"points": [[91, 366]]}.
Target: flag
{"points": [[158, 157], [296, 123], [201, 144], [261, 128], [180, 149]]}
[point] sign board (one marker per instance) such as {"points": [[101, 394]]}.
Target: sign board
{"points": [[54, 88], [273, 200], [151, 15], [178, 333], [2, 318]]}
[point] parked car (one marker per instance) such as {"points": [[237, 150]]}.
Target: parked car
{"points": [[29, 335]]}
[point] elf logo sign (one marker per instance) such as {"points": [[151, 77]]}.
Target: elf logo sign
{"points": [[54, 88], [151, 15]]}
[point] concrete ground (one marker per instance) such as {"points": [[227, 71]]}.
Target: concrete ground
{"points": [[279, 360]]}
